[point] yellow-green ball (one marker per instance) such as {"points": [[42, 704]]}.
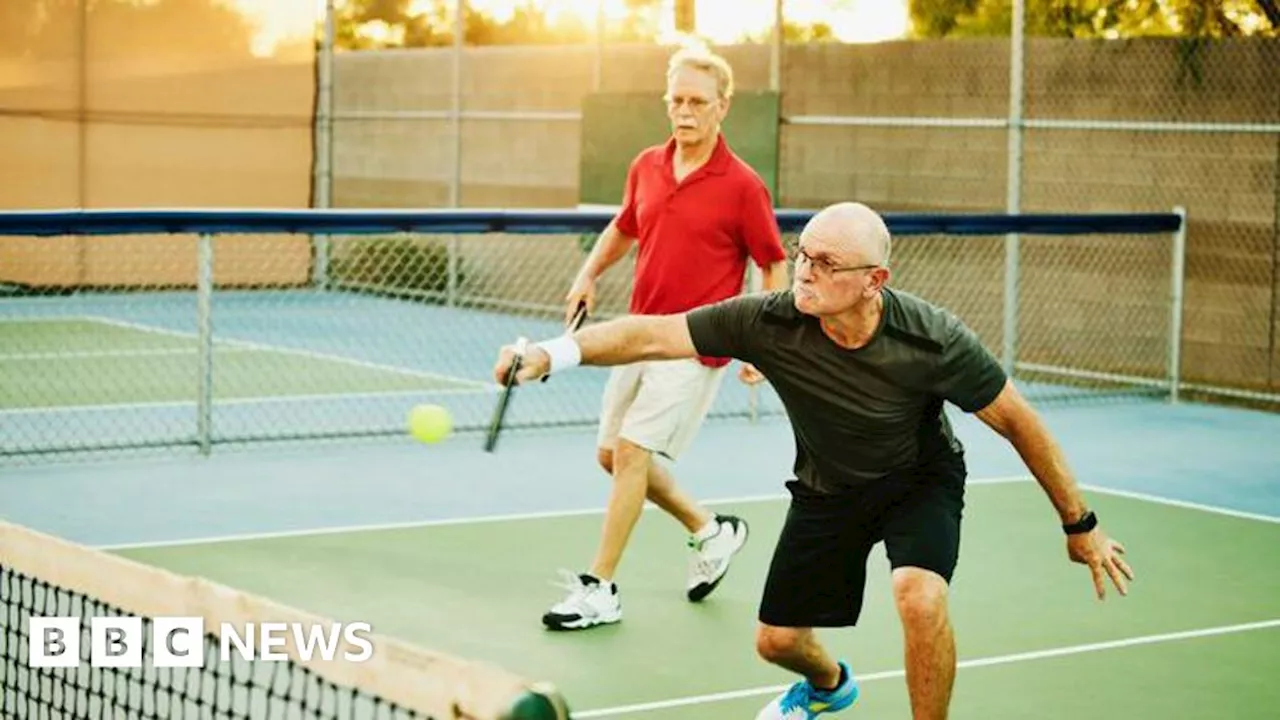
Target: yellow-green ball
{"points": [[430, 423]]}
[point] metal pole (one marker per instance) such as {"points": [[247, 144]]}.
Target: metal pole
{"points": [[775, 53], [459, 41], [1176, 292], [324, 116], [82, 100], [324, 145], [204, 330], [1009, 353], [597, 75]]}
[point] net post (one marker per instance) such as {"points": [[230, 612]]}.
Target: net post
{"points": [[204, 329], [1176, 291]]}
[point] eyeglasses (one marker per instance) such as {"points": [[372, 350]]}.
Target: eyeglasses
{"points": [[824, 267]]}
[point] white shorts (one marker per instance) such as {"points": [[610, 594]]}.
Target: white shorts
{"points": [[658, 405]]}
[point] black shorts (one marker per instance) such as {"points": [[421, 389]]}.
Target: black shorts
{"points": [[819, 568]]}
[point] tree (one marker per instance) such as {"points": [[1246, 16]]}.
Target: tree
{"points": [[1098, 18], [367, 24]]}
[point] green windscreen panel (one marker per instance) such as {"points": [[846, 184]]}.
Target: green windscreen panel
{"points": [[617, 126]]}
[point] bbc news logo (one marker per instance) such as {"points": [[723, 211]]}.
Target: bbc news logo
{"points": [[180, 641]]}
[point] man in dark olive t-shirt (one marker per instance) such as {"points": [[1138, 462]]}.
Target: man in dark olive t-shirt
{"points": [[885, 417], [864, 372]]}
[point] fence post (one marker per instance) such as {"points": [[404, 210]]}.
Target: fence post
{"points": [[324, 147], [455, 113], [204, 329], [452, 267], [1176, 291], [1009, 351]]}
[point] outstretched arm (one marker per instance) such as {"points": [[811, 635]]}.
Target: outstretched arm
{"points": [[1012, 417], [616, 342]]}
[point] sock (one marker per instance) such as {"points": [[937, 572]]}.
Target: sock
{"points": [[603, 581], [708, 530], [844, 676]]}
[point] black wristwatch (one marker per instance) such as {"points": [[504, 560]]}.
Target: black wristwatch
{"points": [[1087, 522]]}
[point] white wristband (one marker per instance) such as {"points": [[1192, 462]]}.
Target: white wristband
{"points": [[564, 352]]}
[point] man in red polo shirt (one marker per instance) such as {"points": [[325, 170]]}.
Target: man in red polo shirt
{"points": [[699, 213]]}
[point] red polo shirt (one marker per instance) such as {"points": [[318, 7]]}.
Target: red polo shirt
{"points": [[695, 236]]}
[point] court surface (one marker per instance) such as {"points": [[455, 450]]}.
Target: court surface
{"points": [[457, 550]]}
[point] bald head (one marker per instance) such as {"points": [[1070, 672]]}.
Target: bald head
{"points": [[853, 230]]}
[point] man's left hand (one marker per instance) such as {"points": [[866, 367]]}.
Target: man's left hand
{"points": [[1104, 557]]}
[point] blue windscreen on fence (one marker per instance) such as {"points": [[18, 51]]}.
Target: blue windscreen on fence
{"points": [[114, 222]]}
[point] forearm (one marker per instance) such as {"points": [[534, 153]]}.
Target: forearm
{"points": [[774, 277], [611, 247], [1046, 461], [634, 338], [1013, 418]]}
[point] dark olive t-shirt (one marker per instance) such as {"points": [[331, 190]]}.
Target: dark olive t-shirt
{"points": [[858, 415]]}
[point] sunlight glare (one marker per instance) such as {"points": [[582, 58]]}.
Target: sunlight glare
{"points": [[719, 21]]}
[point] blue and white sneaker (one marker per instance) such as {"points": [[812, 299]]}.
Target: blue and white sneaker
{"points": [[803, 701]]}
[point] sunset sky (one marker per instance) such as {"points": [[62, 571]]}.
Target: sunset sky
{"points": [[718, 20]]}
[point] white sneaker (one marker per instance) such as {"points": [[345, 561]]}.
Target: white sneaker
{"points": [[590, 602], [712, 555]]}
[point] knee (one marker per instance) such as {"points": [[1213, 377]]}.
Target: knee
{"points": [[921, 597], [604, 456], [774, 644], [627, 455]]}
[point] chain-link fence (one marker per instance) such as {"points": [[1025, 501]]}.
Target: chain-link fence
{"points": [[1018, 117], [226, 338], [1013, 119]]}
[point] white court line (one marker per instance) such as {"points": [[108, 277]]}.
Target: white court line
{"points": [[94, 354], [292, 351], [1181, 504], [9, 320], [964, 664], [412, 524], [552, 514], [264, 400]]}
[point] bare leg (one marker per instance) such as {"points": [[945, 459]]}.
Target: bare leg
{"points": [[631, 465], [798, 650], [663, 492], [921, 597]]}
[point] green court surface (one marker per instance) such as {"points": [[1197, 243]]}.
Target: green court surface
{"points": [[1198, 636], [70, 362]]}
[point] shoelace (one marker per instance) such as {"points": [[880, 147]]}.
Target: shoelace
{"points": [[570, 581]]}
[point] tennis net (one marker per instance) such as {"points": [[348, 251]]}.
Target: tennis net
{"points": [[46, 577]]}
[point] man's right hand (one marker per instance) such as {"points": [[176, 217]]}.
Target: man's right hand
{"points": [[534, 363], [583, 290]]}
